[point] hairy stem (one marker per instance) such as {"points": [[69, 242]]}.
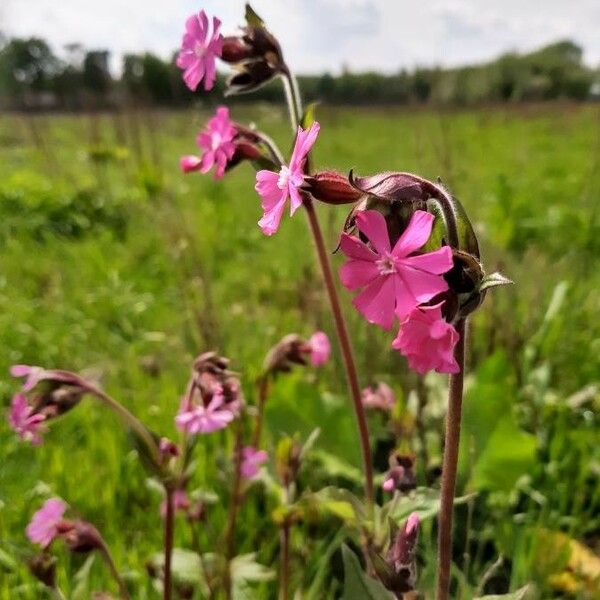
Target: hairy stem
{"points": [[168, 544], [110, 563], [284, 580], [449, 467], [263, 392], [345, 346], [295, 110]]}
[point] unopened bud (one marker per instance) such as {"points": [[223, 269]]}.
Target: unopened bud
{"points": [[332, 188], [289, 351], [43, 568]]}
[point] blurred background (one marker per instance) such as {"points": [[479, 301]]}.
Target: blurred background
{"points": [[113, 262]]}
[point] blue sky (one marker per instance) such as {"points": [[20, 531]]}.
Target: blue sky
{"points": [[320, 35]]}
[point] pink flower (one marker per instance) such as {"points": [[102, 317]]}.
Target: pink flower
{"points": [[381, 397], [199, 48], [395, 280], [43, 527], [27, 425], [320, 348], [275, 188], [33, 375], [205, 419], [389, 484], [251, 461], [427, 341], [216, 139], [180, 500]]}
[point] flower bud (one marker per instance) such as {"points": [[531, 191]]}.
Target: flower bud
{"points": [[43, 568], [401, 474], [285, 354], [332, 188]]}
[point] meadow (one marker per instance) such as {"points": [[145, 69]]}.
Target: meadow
{"points": [[115, 264]]}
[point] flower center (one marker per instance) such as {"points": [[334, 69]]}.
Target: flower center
{"points": [[386, 264], [284, 177], [199, 50]]}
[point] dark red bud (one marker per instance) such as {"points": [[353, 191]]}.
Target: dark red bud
{"points": [[43, 568], [235, 50], [332, 188], [82, 537]]}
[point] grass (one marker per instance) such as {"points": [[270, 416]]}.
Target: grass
{"points": [[114, 263]]}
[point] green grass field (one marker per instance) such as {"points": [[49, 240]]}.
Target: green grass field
{"points": [[114, 263]]}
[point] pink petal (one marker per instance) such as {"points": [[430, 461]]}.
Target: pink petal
{"points": [[376, 302], [189, 163], [193, 75], [269, 223], [296, 199], [415, 235], [195, 28], [438, 262], [422, 285], [208, 160], [305, 140], [210, 72], [372, 224], [357, 273], [185, 59], [353, 247]]}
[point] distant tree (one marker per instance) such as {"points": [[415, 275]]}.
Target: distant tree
{"points": [[96, 74]]}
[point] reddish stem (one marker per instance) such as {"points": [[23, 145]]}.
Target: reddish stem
{"points": [[169, 522], [345, 346], [449, 467]]}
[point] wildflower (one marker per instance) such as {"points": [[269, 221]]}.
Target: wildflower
{"points": [[381, 397], [180, 501], [252, 459], [320, 348], [33, 375], [81, 537], [401, 557], [24, 422], [427, 340], [216, 139], [395, 280], [205, 418], [275, 188], [199, 48], [44, 525], [401, 474]]}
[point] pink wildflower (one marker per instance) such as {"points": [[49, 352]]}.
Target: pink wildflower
{"points": [[427, 341], [43, 527], [215, 415], [381, 397], [216, 139], [180, 500], [395, 280], [320, 348], [275, 188], [252, 459], [32, 375], [27, 425], [199, 48]]}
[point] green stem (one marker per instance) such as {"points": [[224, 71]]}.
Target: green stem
{"points": [[110, 563], [449, 467]]}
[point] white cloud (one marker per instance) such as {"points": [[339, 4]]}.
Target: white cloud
{"points": [[323, 35]]}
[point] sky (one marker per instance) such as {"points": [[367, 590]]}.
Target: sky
{"points": [[322, 35]]}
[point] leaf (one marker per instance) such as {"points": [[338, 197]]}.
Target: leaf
{"points": [[308, 118], [187, 567], [494, 280], [7, 562], [520, 594], [81, 580], [357, 584], [425, 501], [509, 453], [332, 498], [244, 568], [337, 467], [252, 19]]}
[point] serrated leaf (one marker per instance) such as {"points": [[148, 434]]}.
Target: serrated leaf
{"points": [[308, 118], [494, 280], [357, 584], [252, 19]]}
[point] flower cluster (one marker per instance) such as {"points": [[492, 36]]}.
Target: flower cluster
{"points": [[398, 282]]}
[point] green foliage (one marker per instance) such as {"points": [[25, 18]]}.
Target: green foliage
{"points": [[357, 584]]}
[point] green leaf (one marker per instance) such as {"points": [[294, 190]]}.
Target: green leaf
{"points": [[509, 453], [357, 584], [308, 118], [425, 501], [7, 562], [81, 580], [252, 19], [333, 498], [494, 280], [187, 567]]}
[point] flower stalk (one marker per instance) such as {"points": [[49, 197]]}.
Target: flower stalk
{"points": [[110, 563], [449, 467], [168, 543]]}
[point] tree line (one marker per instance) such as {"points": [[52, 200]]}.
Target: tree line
{"points": [[33, 77]]}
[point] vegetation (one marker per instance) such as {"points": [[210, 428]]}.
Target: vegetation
{"points": [[32, 76], [115, 264]]}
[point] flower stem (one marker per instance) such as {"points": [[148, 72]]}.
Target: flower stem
{"points": [[263, 392], [449, 467], [345, 346], [284, 582], [234, 505], [168, 544], [110, 563]]}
